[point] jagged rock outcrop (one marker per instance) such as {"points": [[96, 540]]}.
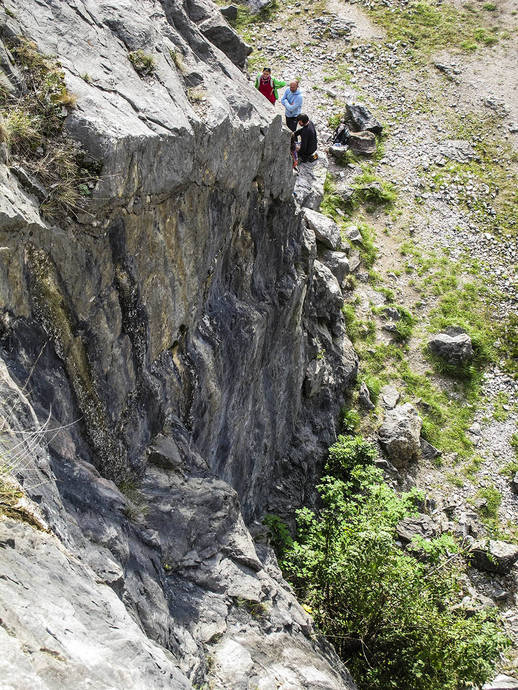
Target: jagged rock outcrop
{"points": [[168, 331]]}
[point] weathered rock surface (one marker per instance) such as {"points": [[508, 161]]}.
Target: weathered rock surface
{"points": [[418, 526], [399, 434], [494, 556], [361, 119], [326, 230], [229, 12], [502, 682], [389, 397], [309, 185], [454, 346], [362, 142], [168, 333], [337, 262], [365, 398]]}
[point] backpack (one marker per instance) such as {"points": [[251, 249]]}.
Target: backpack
{"points": [[341, 135]]}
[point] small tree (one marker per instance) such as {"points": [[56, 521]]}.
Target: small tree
{"points": [[393, 619]]}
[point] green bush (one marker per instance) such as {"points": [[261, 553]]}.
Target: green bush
{"points": [[395, 620], [280, 537]]}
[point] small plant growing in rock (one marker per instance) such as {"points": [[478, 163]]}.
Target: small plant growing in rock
{"points": [[32, 118], [143, 63], [196, 94], [178, 60]]}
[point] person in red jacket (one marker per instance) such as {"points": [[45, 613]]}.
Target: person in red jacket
{"points": [[267, 85]]}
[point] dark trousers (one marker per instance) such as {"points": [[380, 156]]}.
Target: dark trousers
{"points": [[292, 122]]}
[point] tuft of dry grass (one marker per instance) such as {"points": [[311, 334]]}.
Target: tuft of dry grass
{"points": [[31, 124]]}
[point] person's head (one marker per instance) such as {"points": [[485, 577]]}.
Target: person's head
{"points": [[266, 71], [303, 120], [294, 85]]}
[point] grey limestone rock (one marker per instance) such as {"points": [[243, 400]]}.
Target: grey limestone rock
{"points": [[365, 398], [229, 11], [389, 397], [337, 262], [428, 451], [454, 346], [361, 119], [421, 525], [494, 556], [309, 185], [399, 434], [362, 142], [326, 230], [501, 682], [169, 331]]}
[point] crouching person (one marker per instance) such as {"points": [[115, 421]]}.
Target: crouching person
{"points": [[307, 149]]}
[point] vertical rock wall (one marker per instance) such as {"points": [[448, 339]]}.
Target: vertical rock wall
{"points": [[169, 329]]}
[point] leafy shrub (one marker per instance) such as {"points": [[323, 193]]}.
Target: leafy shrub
{"points": [[280, 537], [348, 453], [393, 618], [350, 421]]}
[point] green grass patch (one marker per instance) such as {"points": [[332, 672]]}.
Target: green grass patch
{"points": [[429, 26]]}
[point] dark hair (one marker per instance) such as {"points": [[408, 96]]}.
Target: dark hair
{"points": [[267, 69], [303, 118]]}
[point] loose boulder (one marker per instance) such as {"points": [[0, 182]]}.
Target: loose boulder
{"points": [[326, 230], [363, 142], [229, 12], [428, 451], [453, 346], [399, 434], [494, 556], [362, 120]]}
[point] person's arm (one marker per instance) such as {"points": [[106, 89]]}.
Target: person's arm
{"points": [[284, 101], [303, 151], [291, 108], [257, 82], [297, 103], [278, 83]]}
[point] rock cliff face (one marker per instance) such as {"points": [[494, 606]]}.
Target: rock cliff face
{"points": [[180, 336]]}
